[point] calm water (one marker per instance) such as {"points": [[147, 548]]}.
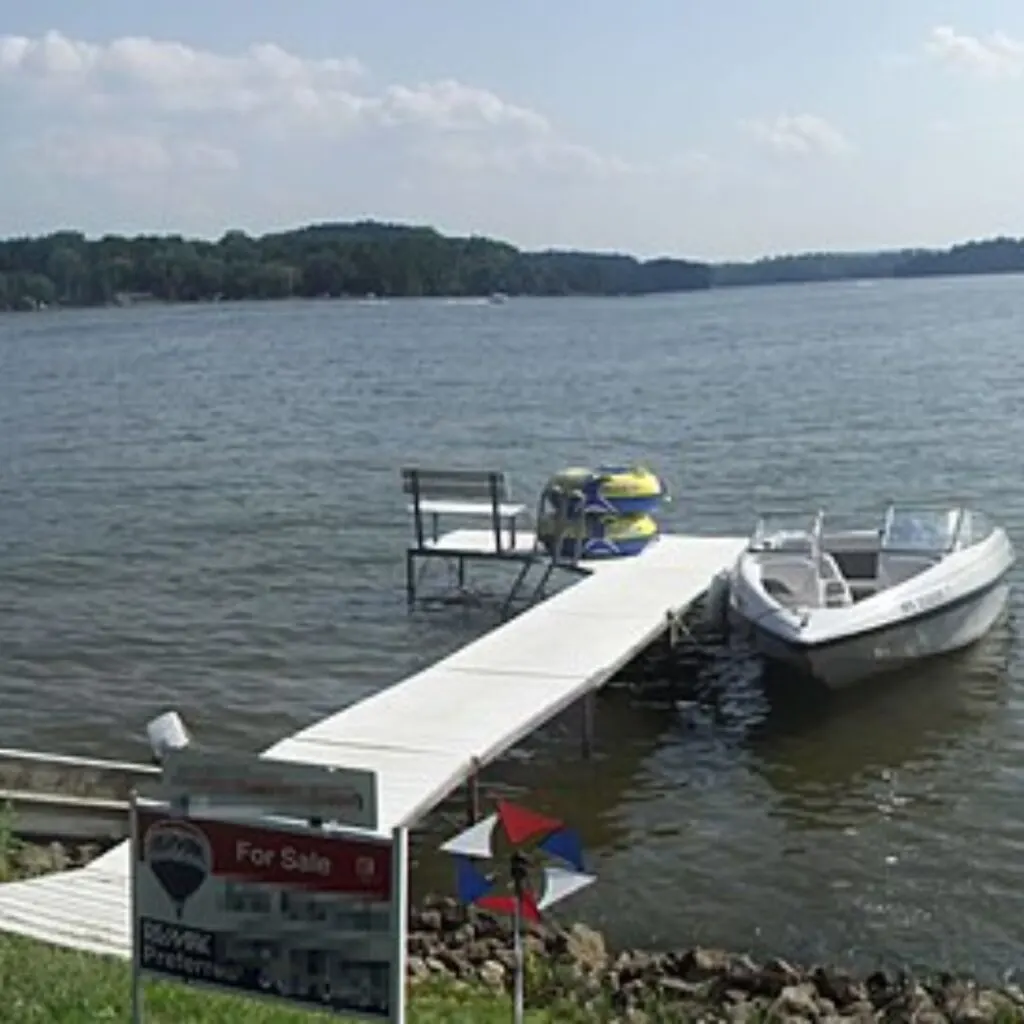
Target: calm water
{"points": [[199, 508]]}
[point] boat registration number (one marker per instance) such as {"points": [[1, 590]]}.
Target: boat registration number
{"points": [[923, 603]]}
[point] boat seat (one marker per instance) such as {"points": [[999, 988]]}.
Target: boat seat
{"points": [[776, 587], [791, 578], [894, 569], [836, 594], [835, 588]]}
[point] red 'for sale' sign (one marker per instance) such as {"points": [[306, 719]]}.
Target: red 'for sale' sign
{"points": [[310, 917], [252, 854]]}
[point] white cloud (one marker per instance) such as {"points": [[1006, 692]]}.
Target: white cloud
{"points": [[695, 163], [113, 154], [274, 97], [995, 56], [450, 105], [798, 134], [206, 156], [144, 134], [171, 76], [120, 156], [549, 157]]}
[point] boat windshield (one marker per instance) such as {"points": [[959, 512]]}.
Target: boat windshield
{"points": [[974, 528], [779, 531], [925, 530]]}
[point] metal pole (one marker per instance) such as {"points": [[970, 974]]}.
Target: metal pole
{"points": [[399, 923], [517, 947], [518, 879], [133, 854]]}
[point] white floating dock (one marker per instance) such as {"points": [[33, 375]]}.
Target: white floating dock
{"points": [[430, 733]]}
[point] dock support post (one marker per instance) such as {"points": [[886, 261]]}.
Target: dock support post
{"points": [[673, 621], [588, 723], [473, 793], [410, 577]]}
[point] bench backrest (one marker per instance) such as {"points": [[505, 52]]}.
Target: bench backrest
{"points": [[482, 485], [486, 488]]}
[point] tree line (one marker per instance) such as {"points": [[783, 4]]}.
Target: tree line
{"points": [[992, 256], [329, 260], [369, 258]]}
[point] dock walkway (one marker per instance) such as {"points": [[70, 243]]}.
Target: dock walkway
{"points": [[430, 733]]}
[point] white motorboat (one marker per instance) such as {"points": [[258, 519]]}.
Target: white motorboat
{"points": [[841, 605]]}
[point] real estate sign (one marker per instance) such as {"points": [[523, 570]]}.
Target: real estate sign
{"points": [[235, 783], [311, 917]]}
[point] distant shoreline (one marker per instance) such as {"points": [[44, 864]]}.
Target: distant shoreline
{"points": [[370, 260], [468, 300]]}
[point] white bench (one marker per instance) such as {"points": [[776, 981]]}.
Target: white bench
{"points": [[463, 493]]}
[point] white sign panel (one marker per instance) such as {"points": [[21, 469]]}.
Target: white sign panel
{"points": [[347, 796], [315, 919]]}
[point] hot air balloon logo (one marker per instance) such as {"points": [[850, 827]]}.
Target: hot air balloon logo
{"points": [[179, 856]]}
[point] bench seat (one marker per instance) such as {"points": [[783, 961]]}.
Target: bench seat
{"points": [[467, 508]]}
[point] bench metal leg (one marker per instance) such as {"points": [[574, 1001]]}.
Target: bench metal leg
{"points": [[410, 578]]}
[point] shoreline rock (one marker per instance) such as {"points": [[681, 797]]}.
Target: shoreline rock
{"points": [[447, 941], [21, 859], [451, 943]]}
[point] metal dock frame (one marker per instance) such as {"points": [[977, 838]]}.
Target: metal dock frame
{"points": [[466, 494], [431, 733], [556, 502], [483, 494]]}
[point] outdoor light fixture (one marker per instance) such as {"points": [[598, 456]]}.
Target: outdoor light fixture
{"points": [[167, 732]]}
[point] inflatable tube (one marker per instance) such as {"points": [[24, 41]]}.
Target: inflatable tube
{"points": [[608, 490], [598, 536]]}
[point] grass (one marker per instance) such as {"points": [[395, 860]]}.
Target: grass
{"points": [[43, 985]]}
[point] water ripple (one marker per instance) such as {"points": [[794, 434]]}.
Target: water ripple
{"points": [[199, 508]]}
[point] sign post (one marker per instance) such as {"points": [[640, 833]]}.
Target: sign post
{"points": [[226, 894]]}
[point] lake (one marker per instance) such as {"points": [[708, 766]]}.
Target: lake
{"points": [[200, 509]]}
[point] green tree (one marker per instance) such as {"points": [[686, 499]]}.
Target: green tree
{"points": [[67, 270], [321, 260]]}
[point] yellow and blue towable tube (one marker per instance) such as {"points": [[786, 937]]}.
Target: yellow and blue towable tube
{"points": [[595, 536], [608, 490]]}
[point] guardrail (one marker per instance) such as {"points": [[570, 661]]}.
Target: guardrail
{"points": [[75, 799]]}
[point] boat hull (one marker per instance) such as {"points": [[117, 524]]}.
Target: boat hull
{"points": [[842, 662]]}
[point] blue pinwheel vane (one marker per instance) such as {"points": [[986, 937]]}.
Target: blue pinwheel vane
{"points": [[545, 866]]}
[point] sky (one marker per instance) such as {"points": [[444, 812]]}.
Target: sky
{"points": [[709, 129]]}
